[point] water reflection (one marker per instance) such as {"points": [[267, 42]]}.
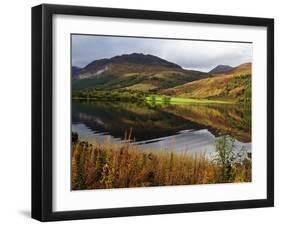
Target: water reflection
{"points": [[192, 128]]}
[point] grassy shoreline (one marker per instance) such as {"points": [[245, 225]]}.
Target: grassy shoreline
{"points": [[157, 99], [184, 100], [109, 165]]}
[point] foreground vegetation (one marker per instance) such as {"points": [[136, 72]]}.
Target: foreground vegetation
{"points": [[108, 165]]}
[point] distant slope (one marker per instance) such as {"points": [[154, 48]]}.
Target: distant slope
{"points": [[133, 72], [75, 71], [235, 84], [221, 69]]}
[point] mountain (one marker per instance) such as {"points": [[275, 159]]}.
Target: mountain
{"points": [[75, 71], [134, 58], [220, 69], [134, 71], [235, 84]]}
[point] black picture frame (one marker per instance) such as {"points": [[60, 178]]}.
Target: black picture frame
{"points": [[42, 111]]}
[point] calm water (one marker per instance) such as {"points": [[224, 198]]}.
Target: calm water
{"points": [[192, 128]]}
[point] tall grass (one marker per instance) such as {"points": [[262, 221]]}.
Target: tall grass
{"points": [[108, 165]]}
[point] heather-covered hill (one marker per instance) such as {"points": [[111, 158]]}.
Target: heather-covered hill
{"points": [[135, 71], [235, 84]]}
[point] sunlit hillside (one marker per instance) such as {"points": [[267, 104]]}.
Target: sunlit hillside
{"points": [[233, 84]]}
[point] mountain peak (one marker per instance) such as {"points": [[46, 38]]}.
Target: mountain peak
{"points": [[220, 69], [133, 58]]}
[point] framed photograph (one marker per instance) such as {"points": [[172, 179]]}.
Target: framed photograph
{"points": [[146, 112]]}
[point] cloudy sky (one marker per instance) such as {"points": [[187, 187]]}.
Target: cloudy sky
{"points": [[198, 55]]}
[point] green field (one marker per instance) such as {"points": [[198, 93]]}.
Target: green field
{"points": [[181, 100], [137, 96]]}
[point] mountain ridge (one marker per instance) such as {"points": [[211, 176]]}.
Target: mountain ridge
{"points": [[133, 58], [136, 70]]}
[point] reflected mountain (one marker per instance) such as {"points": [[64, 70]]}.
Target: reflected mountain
{"points": [[149, 122]]}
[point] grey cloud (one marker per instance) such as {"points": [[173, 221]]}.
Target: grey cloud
{"points": [[199, 55]]}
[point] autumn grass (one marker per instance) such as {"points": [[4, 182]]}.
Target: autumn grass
{"points": [[108, 165]]}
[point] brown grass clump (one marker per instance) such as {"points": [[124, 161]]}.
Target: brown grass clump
{"points": [[99, 166]]}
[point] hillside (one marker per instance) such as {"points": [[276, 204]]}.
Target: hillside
{"points": [[235, 84], [134, 59], [138, 75], [133, 72]]}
